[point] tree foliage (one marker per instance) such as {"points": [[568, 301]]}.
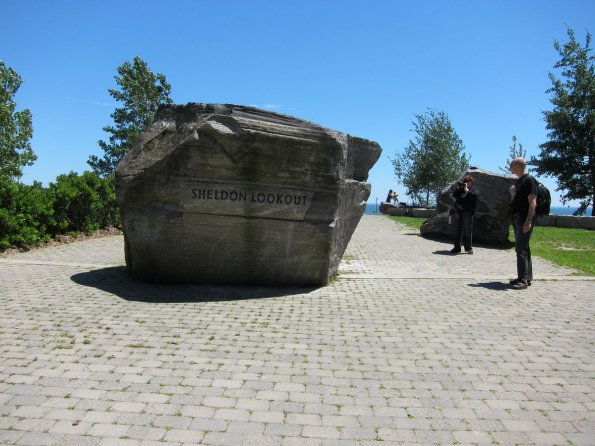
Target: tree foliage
{"points": [[433, 159], [15, 127], [569, 155], [25, 214], [83, 203], [73, 203], [514, 152], [141, 92]]}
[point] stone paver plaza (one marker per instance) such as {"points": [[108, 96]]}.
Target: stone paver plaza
{"points": [[408, 346]]}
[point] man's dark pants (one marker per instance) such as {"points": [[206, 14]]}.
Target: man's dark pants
{"points": [[464, 231], [523, 251]]}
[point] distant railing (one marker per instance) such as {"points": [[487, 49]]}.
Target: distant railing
{"points": [[566, 221], [407, 211], [560, 221]]}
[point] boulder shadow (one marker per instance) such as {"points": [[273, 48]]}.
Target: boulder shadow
{"points": [[495, 286], [118, 281]]}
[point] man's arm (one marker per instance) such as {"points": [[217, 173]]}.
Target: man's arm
{"points": [[530, 213]]}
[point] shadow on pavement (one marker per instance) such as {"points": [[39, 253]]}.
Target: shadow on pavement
{"points": [[496, 286], [117, 281], [443, 252]]}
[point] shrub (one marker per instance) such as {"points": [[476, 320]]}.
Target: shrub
{"points": [[30, 215], [83, 203], [25, 214]]}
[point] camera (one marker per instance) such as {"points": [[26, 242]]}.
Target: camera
{"points": [[460, 185]]}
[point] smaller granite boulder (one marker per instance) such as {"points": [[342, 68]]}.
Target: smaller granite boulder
{"points": [[492, 218]]}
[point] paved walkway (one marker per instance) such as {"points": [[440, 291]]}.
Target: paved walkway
{"points": [[408, 346]]}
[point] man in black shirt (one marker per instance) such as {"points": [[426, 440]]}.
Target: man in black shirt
{"points": [[524, 200]]}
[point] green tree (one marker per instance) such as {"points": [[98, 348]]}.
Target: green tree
{"points": [[569, 155], [141, 92], [15, 127], [434, 158], [26, 214], [513, 153], [83, 203]]}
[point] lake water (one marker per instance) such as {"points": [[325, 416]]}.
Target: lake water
{"points": [[554, 210]]}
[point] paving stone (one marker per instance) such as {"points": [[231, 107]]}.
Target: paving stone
{"points": [[38, 439], [299, 441], [77, 440], [267, 416], [128, 407], [245, 428], [232, 414], [208, 424], [108, 430], [396, 435], [34, 424], [99, 417], [30, 412], [184, 436], [545, 438], [282, 430], [260, 440], [9, 437], [118, 442], [162, 443], [197, 411], [520, 426], [321, 432], [162, 409], [223, 439], [136, 419], [75, 427], [580, 439]]}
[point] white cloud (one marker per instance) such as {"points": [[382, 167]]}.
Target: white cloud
{"points": [[103, 104]]}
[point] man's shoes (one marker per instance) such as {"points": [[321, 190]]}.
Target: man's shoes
{"points": [[519, 286], [516, 281], [455, 250], [470, 251]]}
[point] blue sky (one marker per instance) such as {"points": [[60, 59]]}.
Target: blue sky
{"points": [[361, 67]]}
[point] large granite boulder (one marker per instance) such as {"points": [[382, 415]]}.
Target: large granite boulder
{"points": [[492, 218], [226, 194]]}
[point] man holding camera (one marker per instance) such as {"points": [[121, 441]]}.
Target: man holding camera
{"points": [[465, 197]]}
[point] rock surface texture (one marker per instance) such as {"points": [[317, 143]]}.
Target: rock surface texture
{"points": [[492, 218], [226, 194]]}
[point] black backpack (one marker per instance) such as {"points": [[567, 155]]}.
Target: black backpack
{"points": [[544, 200]]}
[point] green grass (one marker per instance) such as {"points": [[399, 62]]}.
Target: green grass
{"points": [[574, 248], [412, 222]]}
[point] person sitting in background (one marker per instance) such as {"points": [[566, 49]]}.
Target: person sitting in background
{"points": [[389, 197], [465, 197]]}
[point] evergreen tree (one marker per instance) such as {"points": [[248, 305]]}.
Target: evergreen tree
{"points": [[569, 155], [141, 92], [513, 153], [15, 128], [432, 160]]}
